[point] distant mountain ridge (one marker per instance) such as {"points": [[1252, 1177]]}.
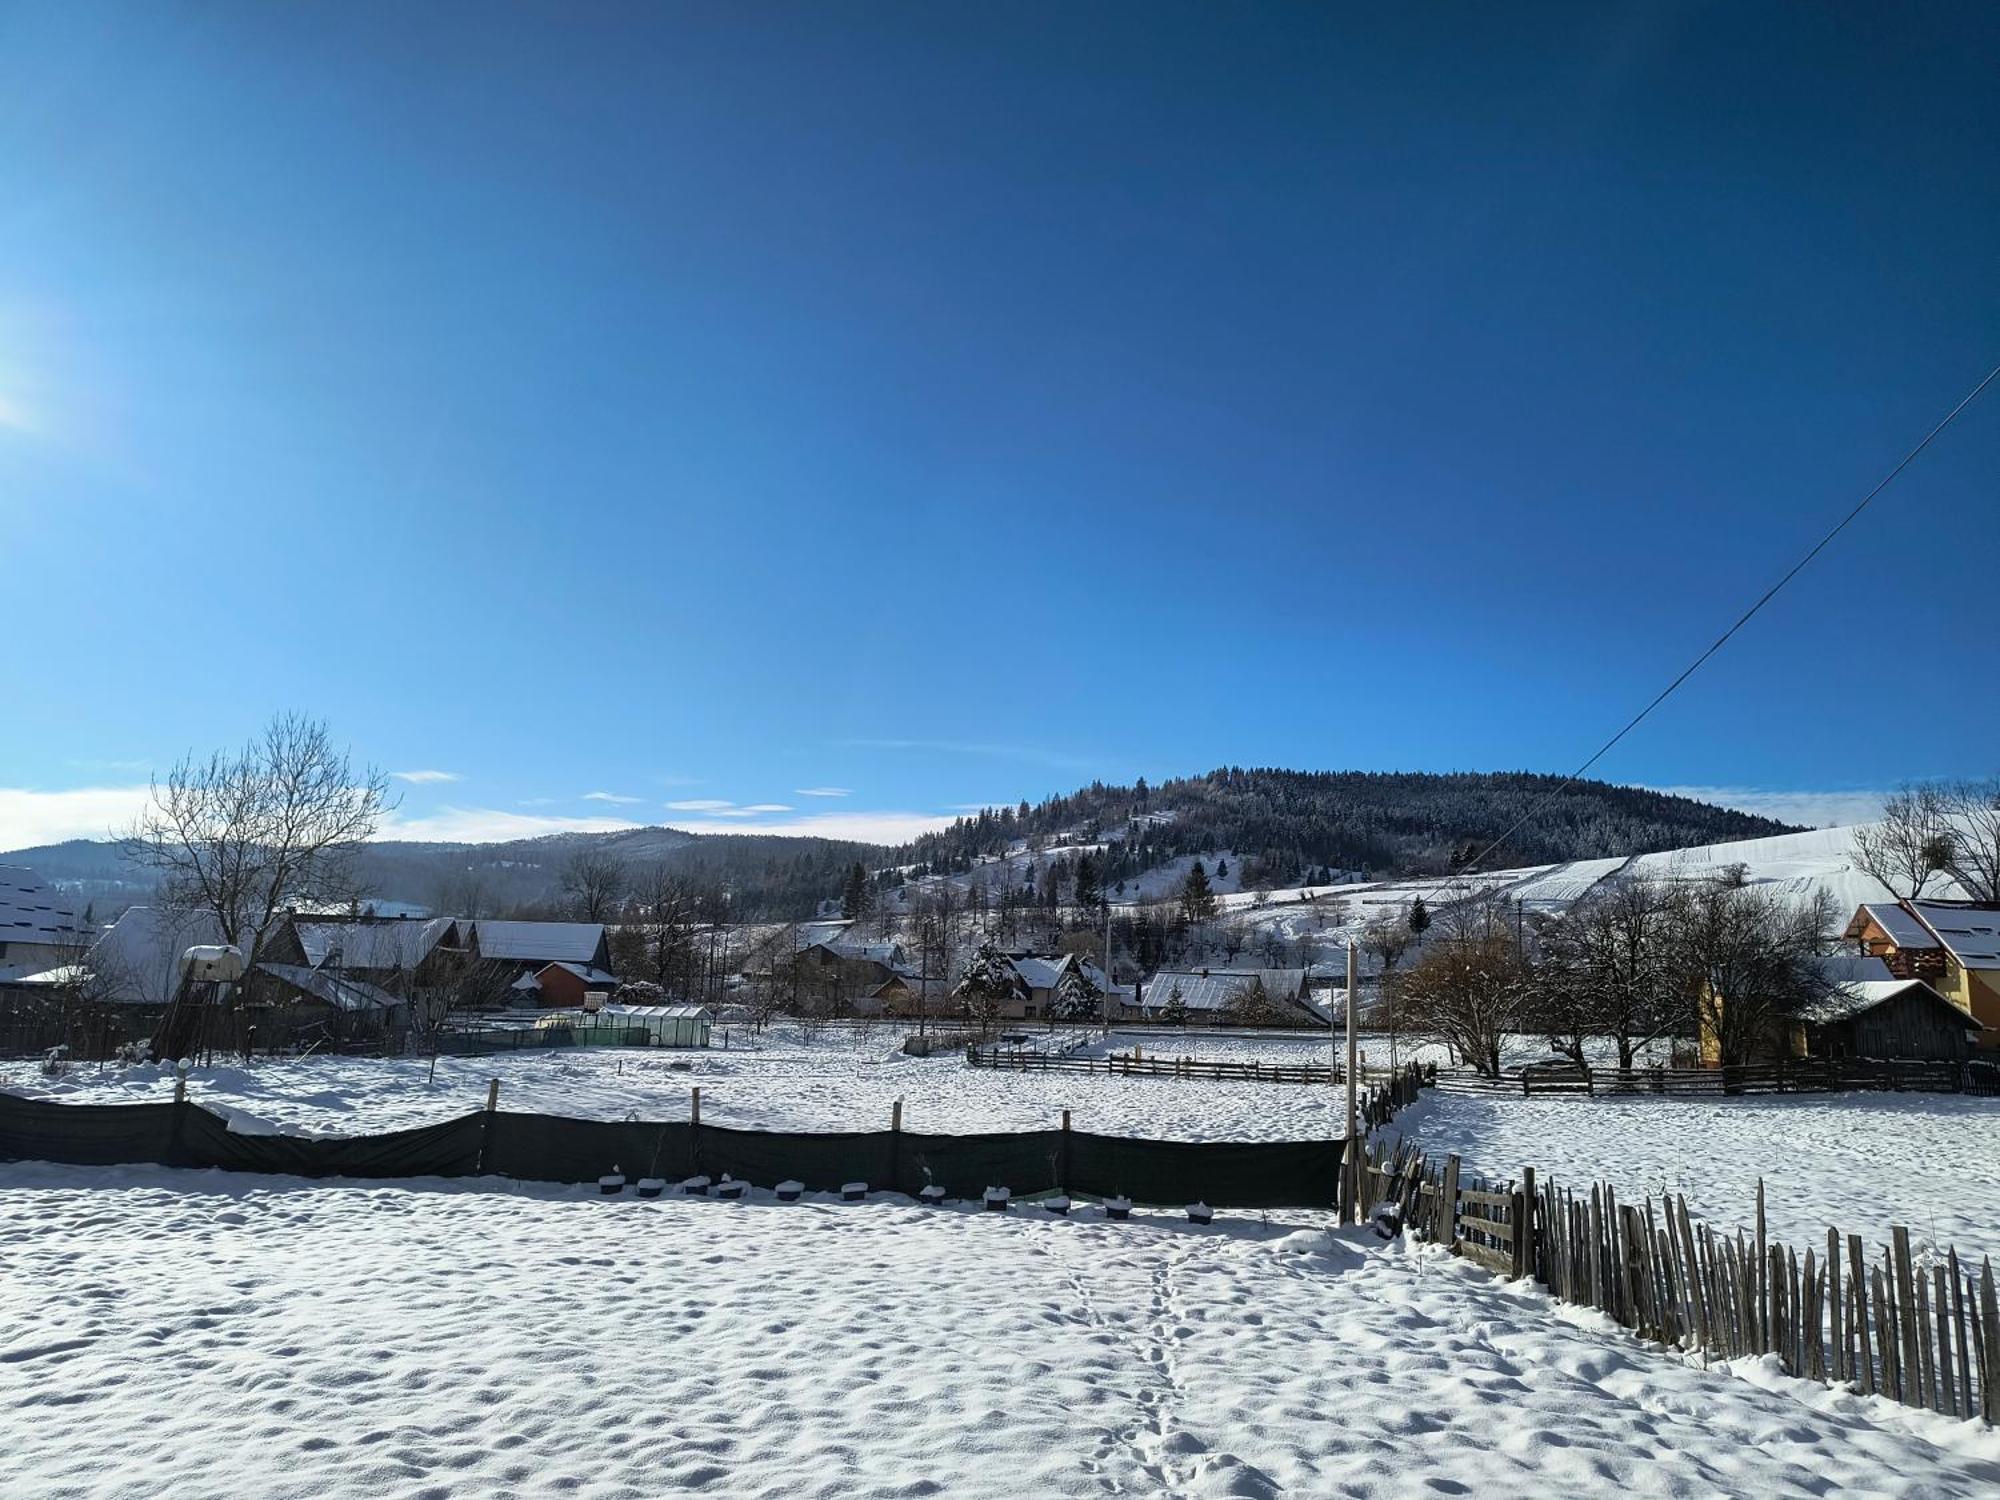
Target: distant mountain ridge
{"points": [[1287, 824]]}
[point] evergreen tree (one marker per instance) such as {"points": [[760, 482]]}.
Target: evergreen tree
{"points": [[1222, 869], [1175, 1011], [854, 899], [1088, 893], [1420, 916], [1197, 897]]}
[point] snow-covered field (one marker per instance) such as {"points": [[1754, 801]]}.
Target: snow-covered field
{"points": [[205, 1335], [1855, 1162], [844, 1080]]}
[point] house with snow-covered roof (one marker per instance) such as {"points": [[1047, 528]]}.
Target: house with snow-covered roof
{"points": [[1865, 1012], [1953, 945], [1209, 997]]}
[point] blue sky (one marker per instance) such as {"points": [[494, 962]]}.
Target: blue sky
{"points": [[849, 413]]}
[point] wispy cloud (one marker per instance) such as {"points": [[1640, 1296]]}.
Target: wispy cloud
{"points": [[766, 807], [609, 797], [492, 825], [1037, 754], [111, 765], [700, 804], [426, 778], [1820, 809], [822, 791], [31, 815]]}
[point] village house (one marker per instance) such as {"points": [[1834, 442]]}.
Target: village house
{"points": [[1953, 945], [1212, 997]]}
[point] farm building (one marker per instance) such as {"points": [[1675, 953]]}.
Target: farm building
{"points": [[1207, 997], [1867, 1012], [1954, 945], [563, 985], [337, 1005]]}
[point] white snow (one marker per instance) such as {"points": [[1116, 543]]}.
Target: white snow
{"points": [[1853, 1162], [212, 1336]]}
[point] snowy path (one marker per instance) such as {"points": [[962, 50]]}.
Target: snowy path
{"points": [[212, 1336]]}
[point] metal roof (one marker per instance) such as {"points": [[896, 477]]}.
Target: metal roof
{"points": [[1217, 988], [1970, 934], [1858, 997], [30, 911], [397, 943], [1904, 930], [547, 941]]}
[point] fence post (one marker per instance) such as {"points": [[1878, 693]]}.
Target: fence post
{"points": [[486, 1128], [694, 1132], [1447, 1206], [1063, 1186], [896, 1146], [1524, 1225]]}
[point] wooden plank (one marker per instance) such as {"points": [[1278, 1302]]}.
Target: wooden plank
{"points": [[1945, 1390], [1446, 1233], [1965, 1406], [1858, 1319], [1763, 1287], [1837, 1362], [1525, 1263], [1989, 1328], [1908, 1353], [1885, 1335]]}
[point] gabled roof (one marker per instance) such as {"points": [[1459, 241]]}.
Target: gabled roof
{"points": [[338, 990], [585, 972], [1903, 929], [577, 942], [1971, 934], [137, 959], [374, 946], [1042, 973], [1217, 988], [1859, 996]]}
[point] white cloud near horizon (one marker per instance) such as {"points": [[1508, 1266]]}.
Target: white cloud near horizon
{"points": [[491, 825], [426, 778], [700, 804], [30, 816], [609, 797], [822, 791], [1819, 809]]}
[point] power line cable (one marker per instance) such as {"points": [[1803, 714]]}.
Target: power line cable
{"points": [[1743, 619]]}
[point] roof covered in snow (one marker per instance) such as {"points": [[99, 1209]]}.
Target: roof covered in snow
{"points": [[1858, 997], [1216, 989], [341, 991], [576, 942], [397, 943], [137, 960], [585, 972]]}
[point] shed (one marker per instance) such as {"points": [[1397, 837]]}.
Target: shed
{"points": [[1888, 1018]]}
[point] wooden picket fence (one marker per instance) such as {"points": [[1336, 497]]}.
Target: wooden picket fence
{"points": [[1925, 1334], [1809, 1076]]}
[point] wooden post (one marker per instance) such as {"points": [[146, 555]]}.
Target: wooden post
{"points": [[1350, 1158], [694, 1112], [1524, 1225], [486, 1125], [1763, 1310], [492, 1095], [180, 1088], [1447, 1205], [1910, 1358]]}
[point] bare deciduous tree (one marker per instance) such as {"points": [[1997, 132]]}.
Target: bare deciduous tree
{"points": [[1750, 960], [1972, 811], [1609, 967], [1472, 987], [594, 880], [244, 835], [1912, 845]]}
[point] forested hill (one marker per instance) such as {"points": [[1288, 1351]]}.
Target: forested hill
{"points": [[1296, 824]]}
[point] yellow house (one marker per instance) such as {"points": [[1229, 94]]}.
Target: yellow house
{"points": [[1954, 945]]}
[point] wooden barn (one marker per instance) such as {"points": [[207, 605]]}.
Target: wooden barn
{"points": [[1888, 1018]]}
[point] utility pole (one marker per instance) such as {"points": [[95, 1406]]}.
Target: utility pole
{"points": [[1107, 964], [1350, 1157]]}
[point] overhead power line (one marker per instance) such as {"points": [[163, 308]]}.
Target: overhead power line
{"points": [[1741, 620]]}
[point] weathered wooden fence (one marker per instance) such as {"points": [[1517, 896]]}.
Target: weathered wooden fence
{"points": [[1137, 1064], [1922, 1330]]}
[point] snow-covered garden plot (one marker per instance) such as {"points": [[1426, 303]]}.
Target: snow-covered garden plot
{"points": [[842, 1080], [1855, 1162], [221, 1336]]}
